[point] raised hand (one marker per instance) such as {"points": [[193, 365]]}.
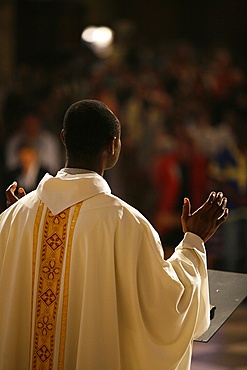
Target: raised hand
{"points": [[11, 198], [206, 219]]}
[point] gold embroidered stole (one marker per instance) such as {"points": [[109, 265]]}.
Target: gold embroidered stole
{"points": [[54, 261]]}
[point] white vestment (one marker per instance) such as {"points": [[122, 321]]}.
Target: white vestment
{"points": [[84, 286]]}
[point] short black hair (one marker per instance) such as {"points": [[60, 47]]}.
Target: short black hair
{"points": [[88, 127]]}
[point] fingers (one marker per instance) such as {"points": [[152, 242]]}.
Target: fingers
{"points": [[217, 201], [219, 198], [207, 218], [10, 194], [211, 197], [223, 218], [215, 198], [21, 193], [219, 206], [10, 198], [185, 213], [12, 188], [224, 203], [186, 209]]}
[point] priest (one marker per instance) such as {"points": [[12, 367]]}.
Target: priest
{"points": [[83, 279]]}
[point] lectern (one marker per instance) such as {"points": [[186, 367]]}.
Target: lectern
{"points": [[227, 290]]}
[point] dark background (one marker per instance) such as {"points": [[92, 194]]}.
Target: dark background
{"points": [[50, 30]]}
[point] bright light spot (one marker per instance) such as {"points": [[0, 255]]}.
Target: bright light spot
{"points": [[87, 34], [103, 36], [99, 39]]}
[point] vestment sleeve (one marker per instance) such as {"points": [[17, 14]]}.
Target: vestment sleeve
{"points": [[178, 290]]}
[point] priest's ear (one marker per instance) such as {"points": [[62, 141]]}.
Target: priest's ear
{"points": [[62, 136], [112, 146]]}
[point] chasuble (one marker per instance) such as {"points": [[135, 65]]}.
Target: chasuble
{"points": [[84, 284]]}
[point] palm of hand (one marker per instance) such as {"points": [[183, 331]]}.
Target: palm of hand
{"points": [[206, 219]]}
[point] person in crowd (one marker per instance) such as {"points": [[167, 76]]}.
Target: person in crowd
{"points": [[180, 172], [33, 132], [228, 171], [82, 273], [29, 171]]}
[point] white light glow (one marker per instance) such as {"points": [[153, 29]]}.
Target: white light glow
{"points": [[103, 36], [99, 39], [87, 34]]}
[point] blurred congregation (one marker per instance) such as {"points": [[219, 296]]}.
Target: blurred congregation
{"points": [[183, 111]]}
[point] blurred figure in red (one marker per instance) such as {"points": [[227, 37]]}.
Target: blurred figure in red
{"points": [[177, 174]]}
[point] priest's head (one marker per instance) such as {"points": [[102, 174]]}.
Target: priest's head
{"points": [[91, 135]]}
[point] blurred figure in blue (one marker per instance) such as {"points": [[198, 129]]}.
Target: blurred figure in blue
{"points": [[229, 172]]}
